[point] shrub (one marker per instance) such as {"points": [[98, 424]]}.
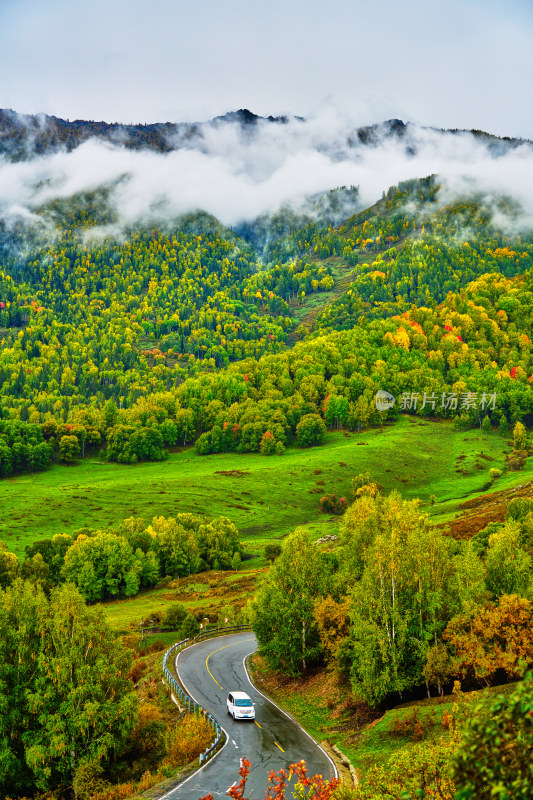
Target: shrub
{"points": [[156, 646], [153, 620], [174, 616], [138, 669], [148, 735], [494, 758], [363, 479], [516, 462], [188, 739], [412, 725], [329, 504], [190, 627]]}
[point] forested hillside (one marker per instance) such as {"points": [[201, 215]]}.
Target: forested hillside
{"points": [[167, 337], [121, 341]]}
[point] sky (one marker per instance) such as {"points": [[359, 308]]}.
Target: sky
{"points": [[452, 64]]}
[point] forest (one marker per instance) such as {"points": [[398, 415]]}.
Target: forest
{"points": [[400, 610], [124, 347], [167, 339]]}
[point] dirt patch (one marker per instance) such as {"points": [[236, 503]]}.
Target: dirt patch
{"points": [[232, 473], [478, 512]]}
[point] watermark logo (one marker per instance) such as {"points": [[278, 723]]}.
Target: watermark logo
{"points": [[445, 401], [448, 401], [384, 400]]}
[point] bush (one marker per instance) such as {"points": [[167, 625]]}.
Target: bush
{"points": [[494, 758], [174, 616], [410, 725], [137, 670], [153, 620], [148, 734], [362, 479], [519, 508], [157, 645], [88, 778], [330, 504], [188, 739], [516, 462]]}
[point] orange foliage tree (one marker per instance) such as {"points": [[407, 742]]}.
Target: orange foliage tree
{"points": [[495, 637], [278, 782]]}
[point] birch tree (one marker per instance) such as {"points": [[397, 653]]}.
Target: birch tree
{"points": [[399, 605], [283, 609]]}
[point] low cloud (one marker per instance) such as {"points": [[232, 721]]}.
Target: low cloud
{"points": [[239, 172]]}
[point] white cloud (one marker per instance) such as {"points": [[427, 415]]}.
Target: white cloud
{"points": [[238, 173]]}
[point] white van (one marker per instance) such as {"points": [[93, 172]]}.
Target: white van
{"points": [[240, 706]]}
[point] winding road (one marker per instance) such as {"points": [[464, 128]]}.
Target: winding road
{"points": [[209, 670]]}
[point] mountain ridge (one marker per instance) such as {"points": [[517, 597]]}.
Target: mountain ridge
{"points": [[24, 136]]}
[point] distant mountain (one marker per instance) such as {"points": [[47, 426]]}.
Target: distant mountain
{"points": [[24, 136], [397, 129]]}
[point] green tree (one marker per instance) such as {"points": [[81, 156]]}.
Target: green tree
{"points": [[508, 565], [267, 445], [101, 566], [310, 431], [399, 604], [173, 545], [272, 551], [190, 627], [283, 609], [23, 609], [519, 437], [438, 667], [174, 616], [9, 566], [69, 449], [81, 672], [65, 695], [110, 414], [494, 759], [468, 588]]}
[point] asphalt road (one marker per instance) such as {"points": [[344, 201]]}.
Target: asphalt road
{"points": [[209, 670]]}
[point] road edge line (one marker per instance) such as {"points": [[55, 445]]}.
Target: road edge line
{"points": [[211, 760], [252, 684]]}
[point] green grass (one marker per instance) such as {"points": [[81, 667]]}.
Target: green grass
{"points": [[206, 594], [168, 637], [269, 498], [377, 742], [326, 711]]}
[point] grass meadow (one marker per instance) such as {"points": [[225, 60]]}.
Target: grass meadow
{"points": [[266, 497]]}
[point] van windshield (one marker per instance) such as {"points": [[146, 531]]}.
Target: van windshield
{"points": [[240, 702]]}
